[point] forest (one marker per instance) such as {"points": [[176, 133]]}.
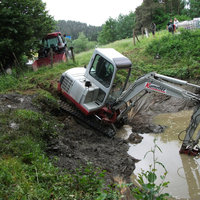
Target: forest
{"points": [[24, 23]]}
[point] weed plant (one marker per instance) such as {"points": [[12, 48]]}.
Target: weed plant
{"points": [[147, 179]]}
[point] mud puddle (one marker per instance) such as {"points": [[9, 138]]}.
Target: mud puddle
{"points": [[183, 171]]}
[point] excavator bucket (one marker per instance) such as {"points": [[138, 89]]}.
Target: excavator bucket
{"points": [[189, 145]]}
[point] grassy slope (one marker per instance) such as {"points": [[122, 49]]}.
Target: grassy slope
{"points": [[176, 60], [25, 171]]}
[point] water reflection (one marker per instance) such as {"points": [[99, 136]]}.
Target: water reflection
{"points": [[183, 170], [191, 170], [175, 122]]}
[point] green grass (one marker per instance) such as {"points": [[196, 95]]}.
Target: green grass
{"points": [[25, 171], [179, 54], [41, 180]]}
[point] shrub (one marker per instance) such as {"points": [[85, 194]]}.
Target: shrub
{"points": [[179, 53], [176, 47], [82, 44]]}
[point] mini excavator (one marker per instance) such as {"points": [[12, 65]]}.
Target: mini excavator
{"points": [[101, 97]]}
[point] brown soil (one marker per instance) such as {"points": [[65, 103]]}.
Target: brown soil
{"points": [[78, 145]]}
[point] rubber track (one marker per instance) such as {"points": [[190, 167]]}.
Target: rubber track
{"points": [[89, 120]]}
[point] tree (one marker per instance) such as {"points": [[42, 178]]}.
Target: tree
{"points": [[125, 25], [145, 14], [73, 29], [194, 8], [157, 11], [82, 43], [174, 7], [23, 24], [108, 33], [117, 29]]}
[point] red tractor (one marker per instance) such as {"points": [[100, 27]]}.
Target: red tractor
{"points": [[53, 49]]}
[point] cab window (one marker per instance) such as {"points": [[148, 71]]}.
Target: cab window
{"points": [[119, 84], [102, 70], [52, 41]]}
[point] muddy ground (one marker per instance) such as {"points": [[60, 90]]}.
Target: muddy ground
{"points": [[141, 118], [78, 145]]}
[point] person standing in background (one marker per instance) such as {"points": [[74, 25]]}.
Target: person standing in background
{"points": [[153, 28], [170, 26], [175, 24]]}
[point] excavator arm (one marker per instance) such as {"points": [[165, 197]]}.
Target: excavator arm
{"points": [[154, 82]]}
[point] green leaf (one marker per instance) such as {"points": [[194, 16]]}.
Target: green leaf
{"points": [[165, 184], [152, 177]]}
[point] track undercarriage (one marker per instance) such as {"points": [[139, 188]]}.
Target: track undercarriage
{"points": [[90, 120]]}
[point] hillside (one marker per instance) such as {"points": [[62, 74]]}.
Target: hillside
{"points": [[73, 29], [46, 154]]}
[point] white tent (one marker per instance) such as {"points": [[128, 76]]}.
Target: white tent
{"points": [[192, 24]]}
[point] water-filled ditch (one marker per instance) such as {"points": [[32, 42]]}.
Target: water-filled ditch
{"points": [[183, 171]]}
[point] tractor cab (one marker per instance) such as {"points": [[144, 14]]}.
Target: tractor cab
{"points": [[53, 49], [52, 40]]}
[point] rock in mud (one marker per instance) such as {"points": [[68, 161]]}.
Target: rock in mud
{"points": [[135, 138]]}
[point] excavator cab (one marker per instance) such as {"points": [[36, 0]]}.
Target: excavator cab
{"points": [[102, 71], [119, 84], [109, 71]]}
